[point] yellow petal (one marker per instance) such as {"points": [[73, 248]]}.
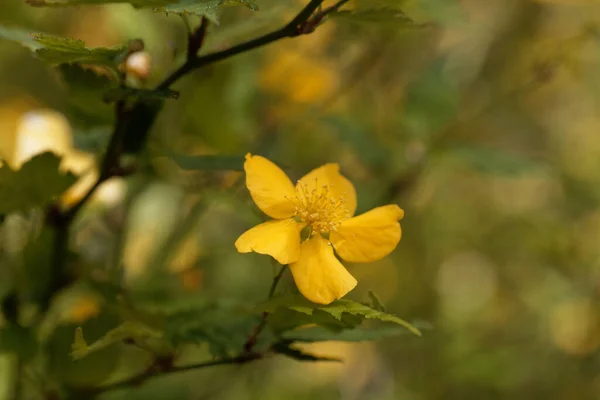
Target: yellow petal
{"points": [[320, 277], [339, 186], [279, 239], [369, 236], [270, 188]]}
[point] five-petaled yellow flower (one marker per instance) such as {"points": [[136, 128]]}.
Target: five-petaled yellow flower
{"points": [[324, 201]]}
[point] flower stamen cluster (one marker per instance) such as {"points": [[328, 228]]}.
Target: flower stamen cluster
{"points": [[318, 208]]}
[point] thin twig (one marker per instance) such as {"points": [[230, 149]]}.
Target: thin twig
{"points": [[295, 27], [17, 389], [253, 339], [153, 371], [196, 39]]}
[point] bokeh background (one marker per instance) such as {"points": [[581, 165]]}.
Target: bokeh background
{"points": [[481, 120]]}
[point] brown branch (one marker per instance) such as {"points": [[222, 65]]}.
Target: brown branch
{"points": [[300, 25], [156, 369]]}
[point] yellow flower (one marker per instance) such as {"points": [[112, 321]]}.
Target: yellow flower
{"points": [[324, 201]]}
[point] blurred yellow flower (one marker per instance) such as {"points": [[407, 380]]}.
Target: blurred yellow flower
{"points": [[324, 201], [42, 130]]}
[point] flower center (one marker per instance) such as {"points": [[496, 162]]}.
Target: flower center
{"points": [[318, 207]]}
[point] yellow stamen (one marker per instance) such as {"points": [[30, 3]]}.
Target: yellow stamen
{"points": [[318, 208]]}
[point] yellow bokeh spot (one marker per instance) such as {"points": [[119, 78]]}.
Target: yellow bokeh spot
{"points": [[575, 326], [82, 309]]}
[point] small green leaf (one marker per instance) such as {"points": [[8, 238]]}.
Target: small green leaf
{"points": [[79, 348], [208, 162], [58, 50], [36, 184], [297, 354], [122, 93], [135, 331], [320, 334], [204, 8], [375, 302], [338, 309], [84, 89]]}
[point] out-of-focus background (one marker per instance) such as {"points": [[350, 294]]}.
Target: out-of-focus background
{"points": [[482, 121]]}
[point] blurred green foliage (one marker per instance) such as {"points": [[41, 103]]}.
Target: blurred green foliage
{"points": [[479, 118]]}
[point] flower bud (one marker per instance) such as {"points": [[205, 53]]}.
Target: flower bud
{"points": [[139, 64]]}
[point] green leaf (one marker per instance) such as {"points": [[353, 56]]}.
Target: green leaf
{"points": [[130, 330], [379, 17], [320, 334], [208, 162], [36, 184], [375, 302], [58, 50], [84, 91], [122, 93], [338, 309], [204, 8], [297, 354], [20, 36], [224, 329]]}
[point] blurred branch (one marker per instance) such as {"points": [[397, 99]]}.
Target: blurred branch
{"points": [[305, 22], [17, 389], [157, 369]]}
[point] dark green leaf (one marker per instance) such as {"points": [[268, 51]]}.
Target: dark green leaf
{"points": [[208, 162], [85, 89], [224, 329], [122, 93], [284, 319], [59, 50], [375, 302], [337, 309], [36, 184], [204, 8], [320, 334]]}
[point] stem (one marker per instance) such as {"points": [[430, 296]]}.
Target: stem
{"points": [[151, 372], [290, 30], [253, 339]]}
